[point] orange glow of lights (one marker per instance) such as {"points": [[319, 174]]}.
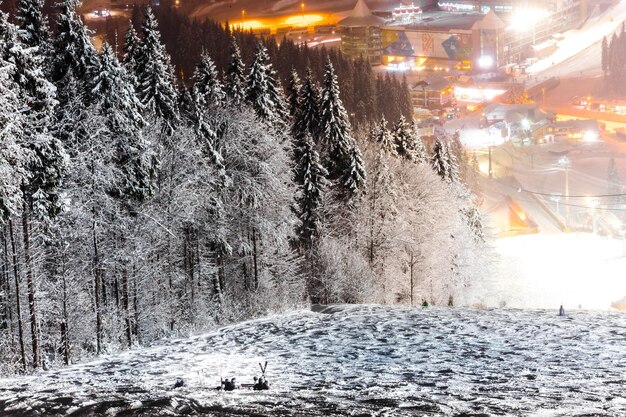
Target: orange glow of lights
{"points": [[303, 20], [248, 25]]}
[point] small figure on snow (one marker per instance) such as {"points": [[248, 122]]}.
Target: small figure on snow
{"points": [[260, 384], [229, 385], [561, 311]]}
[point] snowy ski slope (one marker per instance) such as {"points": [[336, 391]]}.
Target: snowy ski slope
{"points": [[357, 361]]}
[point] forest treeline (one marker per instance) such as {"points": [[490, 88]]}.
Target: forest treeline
{"points": [[134, 207]]}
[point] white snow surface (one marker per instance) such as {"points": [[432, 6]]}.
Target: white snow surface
{"points": [[357, 361]]}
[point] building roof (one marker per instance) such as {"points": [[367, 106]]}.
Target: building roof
{"points": [[433, 84], [490, 21], [361, 16], [438, 21], [581, 124]]}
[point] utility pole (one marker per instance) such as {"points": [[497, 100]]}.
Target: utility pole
{"points": [[490, 170], [565, 162]]}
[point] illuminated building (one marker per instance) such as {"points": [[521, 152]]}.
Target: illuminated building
{"points": [[529, 22], [406, 14], [433, 94], [444, 42], [361, 33]]}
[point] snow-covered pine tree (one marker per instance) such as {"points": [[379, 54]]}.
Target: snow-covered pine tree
{"points": [[13, 155], [277, 95], [207, 87], [419, 149], [453, 165], [439, 159], [235, 75], [310, 177], [186, 105], [263, 92], [132, 45], [13, 160], [33, 26], [458, 154], [403, 139], [73, 50], [474, 221], [353, 184], [155, 76], [293, 92], [344, 161], [114, 97], [334, 125], [383, 137], [306, 118], [48, 162]]}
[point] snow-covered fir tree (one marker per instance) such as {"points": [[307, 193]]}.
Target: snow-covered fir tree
{"points": [[131, 48], [155, 75], [13, 155], [474, 222], [235, 75], [334, 124], [207, 87], [306, 119], [353, 184], [186, 105], [114, 98], [73, 50], [263, 91], [403, 139], [380, 134], [344, 161], [310, 176], [419, 149], [443, 161], [293, 92], [33, 26]]}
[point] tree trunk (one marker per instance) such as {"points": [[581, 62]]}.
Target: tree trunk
{"points": [[136, 306], [255, 259], [32, 303], [5, 289], [16, 274], [65, 339], [97, 290], [126, 296]]}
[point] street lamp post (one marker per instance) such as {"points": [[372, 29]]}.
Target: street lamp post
{"points": [[564, 162], [302, 11]]}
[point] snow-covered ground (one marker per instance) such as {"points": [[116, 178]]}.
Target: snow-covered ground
{"points": [[358, 361], [577, 41]]}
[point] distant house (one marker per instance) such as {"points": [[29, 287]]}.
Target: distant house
{"points": [[432, 94], [521, 123], [574, 130]]}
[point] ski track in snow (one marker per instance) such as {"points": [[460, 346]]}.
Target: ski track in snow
{"points": [[357, 361]]}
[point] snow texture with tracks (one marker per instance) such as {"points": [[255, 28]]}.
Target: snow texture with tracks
{"points": [[357, 361]]}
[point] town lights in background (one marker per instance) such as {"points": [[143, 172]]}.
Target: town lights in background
{"points": [[590, 136], [527, 18], [485, 62]]}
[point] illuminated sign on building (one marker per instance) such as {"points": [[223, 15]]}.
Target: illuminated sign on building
{"points": [[476, 95], [406, 14]]}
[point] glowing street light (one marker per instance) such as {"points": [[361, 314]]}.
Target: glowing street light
{"points": [[527, 18], [302, 11], [243, 14]]}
